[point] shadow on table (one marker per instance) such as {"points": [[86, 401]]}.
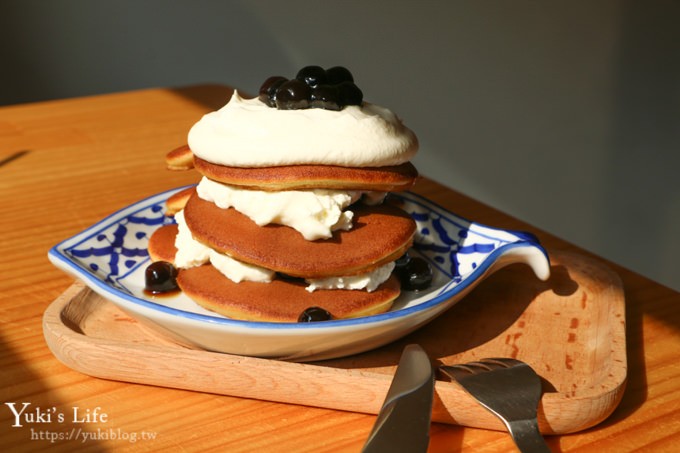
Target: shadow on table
{"points": [[32, 416]]}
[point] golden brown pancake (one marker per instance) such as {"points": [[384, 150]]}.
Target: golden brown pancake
{"points": [[380, 234], [394, 178], [162, 244], [178, 200], [297, 177], [180, 159], [281, 300]]}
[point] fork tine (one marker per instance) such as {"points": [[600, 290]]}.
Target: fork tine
{"points": [[478, 367], [505, 362], [462, 370], [511, 390], [455, 371]]}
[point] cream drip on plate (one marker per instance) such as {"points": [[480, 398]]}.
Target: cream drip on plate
{"points": [[248, 133]]}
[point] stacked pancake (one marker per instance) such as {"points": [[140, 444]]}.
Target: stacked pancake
{"points": [[290, 211]]}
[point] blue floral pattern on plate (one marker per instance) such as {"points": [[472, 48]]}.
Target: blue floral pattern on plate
{"points": [[118, 248]]}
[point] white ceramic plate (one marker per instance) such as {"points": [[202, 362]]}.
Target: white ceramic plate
{"points": [[110, 257]]}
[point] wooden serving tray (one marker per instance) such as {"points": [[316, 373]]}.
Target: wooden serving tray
{"points": [[570, 329]]}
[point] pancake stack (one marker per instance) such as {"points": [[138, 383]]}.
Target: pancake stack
{"points": [[295, 269]]}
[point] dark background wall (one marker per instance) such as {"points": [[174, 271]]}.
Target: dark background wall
{"points": [[565, 114]]}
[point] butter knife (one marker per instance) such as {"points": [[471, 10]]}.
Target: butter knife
{"points": [[403, 423]]}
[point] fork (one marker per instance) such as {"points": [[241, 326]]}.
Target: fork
{"points": [[511, 390]]}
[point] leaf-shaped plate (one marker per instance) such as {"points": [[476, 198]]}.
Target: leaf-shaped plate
{"points": [[110, 257]]}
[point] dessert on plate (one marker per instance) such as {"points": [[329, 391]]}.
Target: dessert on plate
{"points": [[291, 220]]}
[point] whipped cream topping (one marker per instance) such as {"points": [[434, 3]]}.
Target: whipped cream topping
{"points": [[313, 213], [247, 133]]}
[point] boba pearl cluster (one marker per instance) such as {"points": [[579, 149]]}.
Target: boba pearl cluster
{"points": [[312, 87]]}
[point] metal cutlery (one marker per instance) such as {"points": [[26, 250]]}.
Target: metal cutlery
{"points": [[511, 390], [403, 423]]}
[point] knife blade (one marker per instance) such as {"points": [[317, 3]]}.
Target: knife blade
{"points": [[403, 423]]}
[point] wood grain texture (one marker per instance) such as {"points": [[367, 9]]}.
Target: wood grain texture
{"points": [[571, 330], [70, 157]]}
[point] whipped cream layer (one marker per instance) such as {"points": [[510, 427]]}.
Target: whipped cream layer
{"points": [[369, 281], [247, 133], [313, 213], [192, 253]]}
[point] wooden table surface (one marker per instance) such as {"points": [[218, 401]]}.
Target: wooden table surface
{"points": [[67, 164]]}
